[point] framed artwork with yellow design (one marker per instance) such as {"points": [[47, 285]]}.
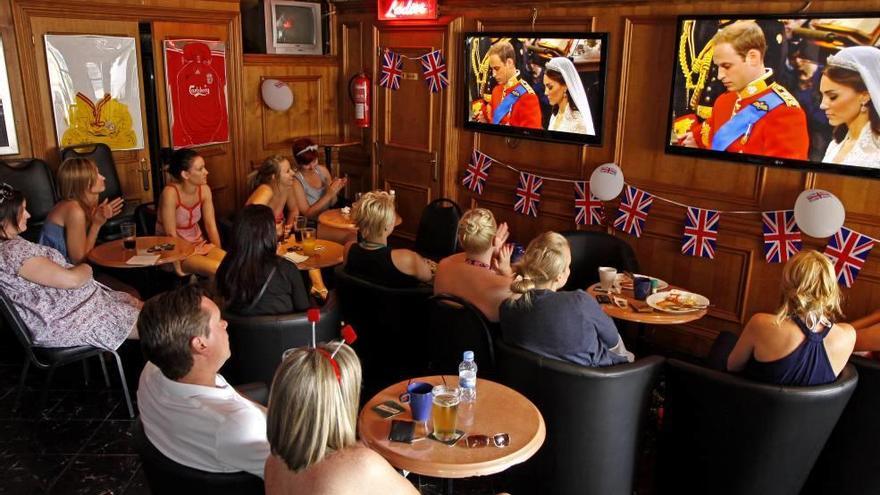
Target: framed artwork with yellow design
{"points": [[95, 90]]}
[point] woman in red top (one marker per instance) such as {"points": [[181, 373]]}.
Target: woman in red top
{"points": [[185, 201]]}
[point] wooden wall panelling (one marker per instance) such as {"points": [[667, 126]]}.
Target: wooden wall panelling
{"points": [[640, 65], [314, 82], [16, 91]]}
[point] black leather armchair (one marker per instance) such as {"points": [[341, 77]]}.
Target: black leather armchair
{"points": [[166, 476], [257, 342], [392, 341], [34, 179], [724, 434], [454, 326], [592, 249], [437, 236], [849, 464], [593, 416]]}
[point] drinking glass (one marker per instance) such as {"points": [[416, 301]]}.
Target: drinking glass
{"points": [[128, 231], [299, 224], [445, 411], [607, 277], [308, 240]]}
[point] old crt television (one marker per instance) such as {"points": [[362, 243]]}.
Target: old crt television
{"points": [[792, 108], [283, 26], [548, 86]]}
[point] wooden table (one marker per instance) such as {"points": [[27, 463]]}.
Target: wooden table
{"points": [[654, 318], [327, 253], [498, 409], [336, 219], [113, 255]]}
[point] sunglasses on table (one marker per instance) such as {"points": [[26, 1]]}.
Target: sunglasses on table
{"points": [[499, 440]]}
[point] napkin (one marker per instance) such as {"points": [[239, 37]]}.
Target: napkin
{"points": [[295, 257], [143, 259]]}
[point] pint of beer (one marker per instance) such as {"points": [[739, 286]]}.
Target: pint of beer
{"points": [[444, 413]]}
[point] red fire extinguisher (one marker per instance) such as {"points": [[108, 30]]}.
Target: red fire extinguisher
{"points": [[359, 93]]}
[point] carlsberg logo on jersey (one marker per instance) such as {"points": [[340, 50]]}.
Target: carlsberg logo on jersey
{"points": [[199, 90]]}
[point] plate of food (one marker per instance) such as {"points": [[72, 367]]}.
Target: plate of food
{"points": [[625, 282], [677, 301]]}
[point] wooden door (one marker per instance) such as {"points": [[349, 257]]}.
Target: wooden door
{"points": [[409, 130], [131, 165], [219, 158]]}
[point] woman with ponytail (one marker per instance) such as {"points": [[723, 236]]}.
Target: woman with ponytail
{"points": [[568, 326], [271, 185]]}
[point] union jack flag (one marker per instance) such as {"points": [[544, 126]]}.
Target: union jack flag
{"points": [[782, 237], [848, 250], [588, 209], [477, 172], [392, 70], [528, 194], [434, 70], [633, 211], [700, 232]]}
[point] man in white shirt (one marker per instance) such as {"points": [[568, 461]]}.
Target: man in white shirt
{"points": [[189, 412]]}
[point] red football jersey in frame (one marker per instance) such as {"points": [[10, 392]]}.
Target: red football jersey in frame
{"points": [[195, 82]]}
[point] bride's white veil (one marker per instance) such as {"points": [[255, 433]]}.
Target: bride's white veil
{"points": [[575, 89], [866, 61]]}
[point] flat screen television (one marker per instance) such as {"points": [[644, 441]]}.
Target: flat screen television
{"points": [[548, 86], [797, 105]]}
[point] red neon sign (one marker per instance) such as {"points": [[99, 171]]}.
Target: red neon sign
{"points": [[396, 10]]}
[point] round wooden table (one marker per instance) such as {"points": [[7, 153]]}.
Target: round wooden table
{"points": [[327, 253], [654, 317], [336, 219], [113, 255], [498, 409]]}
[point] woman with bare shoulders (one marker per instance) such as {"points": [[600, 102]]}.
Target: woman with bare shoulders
{"points": [[185, 202], [314, 189], [272, 185], [800, 344], [312, 425]]}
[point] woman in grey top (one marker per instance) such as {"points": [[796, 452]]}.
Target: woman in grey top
{"points": [[314, 189], [568, 326]]}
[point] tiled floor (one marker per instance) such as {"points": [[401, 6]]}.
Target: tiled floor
{"points": [[81, 442]]}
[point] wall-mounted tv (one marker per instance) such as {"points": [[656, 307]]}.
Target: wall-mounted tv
{"points": [[548, 86], [790, 90], [293, 27]]}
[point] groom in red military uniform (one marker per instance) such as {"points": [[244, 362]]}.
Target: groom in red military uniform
{"points": [[513, 102], [755, 116]]}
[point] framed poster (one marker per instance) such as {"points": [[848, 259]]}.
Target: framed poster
{"points": [[195, 83], [8, 139], [94, 81]]}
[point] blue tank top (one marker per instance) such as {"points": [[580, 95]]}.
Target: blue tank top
{"points": [[807, 365], [52, 236], [313, 194]]}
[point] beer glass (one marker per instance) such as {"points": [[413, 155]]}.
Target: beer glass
{"points": [[128, 231], [298, 226], [308, 241], [445, 411]]}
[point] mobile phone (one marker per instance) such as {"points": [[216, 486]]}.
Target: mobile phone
{"points": [[402, 431], [603, 299]]}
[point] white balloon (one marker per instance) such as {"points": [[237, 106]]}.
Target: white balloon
{"points": [[276, 94], [819, 213], [606, 181]]}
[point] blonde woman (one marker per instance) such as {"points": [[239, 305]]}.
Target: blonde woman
{"points": [[73, 225], [271, 185], [481, 274], [371, 258], [312, 425], [800, 344], [185, 202], [568, 326]]}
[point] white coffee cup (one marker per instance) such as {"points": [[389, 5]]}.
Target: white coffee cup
{"points": [[607, 277]]}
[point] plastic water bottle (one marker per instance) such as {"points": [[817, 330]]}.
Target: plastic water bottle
{"points": [[467, 377]]}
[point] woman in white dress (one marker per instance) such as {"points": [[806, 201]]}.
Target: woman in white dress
{"points": [[850, 89], [563, 87]]}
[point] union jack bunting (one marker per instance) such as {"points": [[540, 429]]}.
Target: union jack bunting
{"points": [[434, 70], [588, 209], [700, 232], [848, 250], [392, 70], [782, 237], [633, 211], [477, 172], [528, 194]]}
